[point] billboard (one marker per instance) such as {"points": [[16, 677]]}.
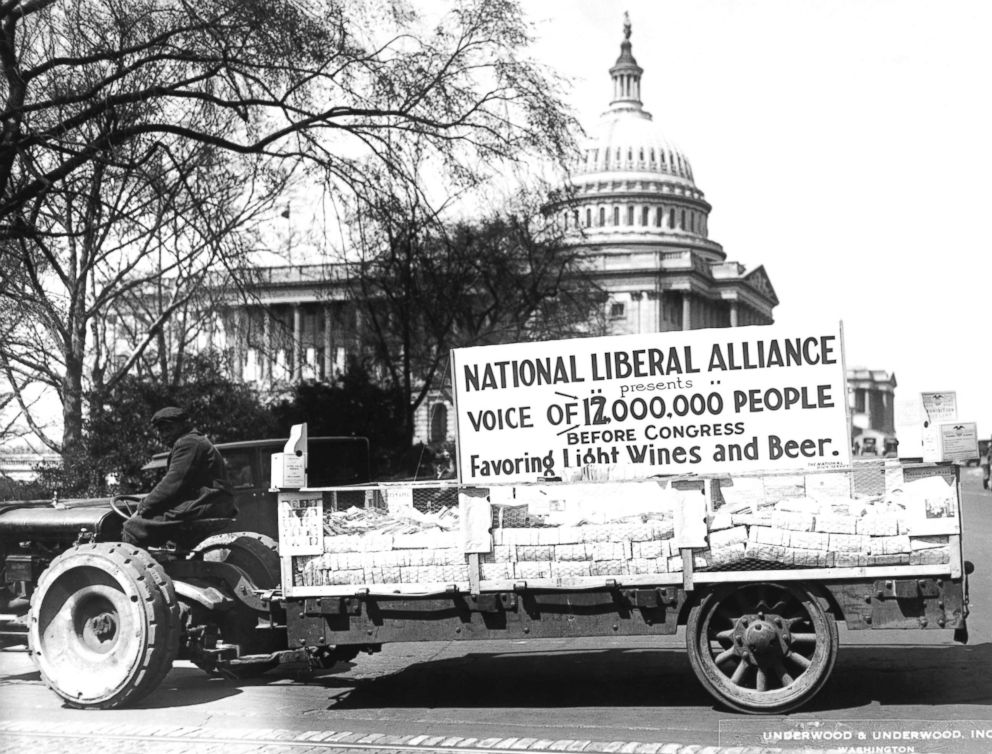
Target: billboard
{"points": [[633, 406]]}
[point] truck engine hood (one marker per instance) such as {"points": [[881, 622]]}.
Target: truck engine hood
{"points": [[40, 520]]}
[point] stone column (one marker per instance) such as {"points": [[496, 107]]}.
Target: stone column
{"points": [[328, 344], [686, 311], [209, 328], [265, 358], [636, 308], [240, 335], [359, 323], [654, 319], [733, 314], [297, 346]]}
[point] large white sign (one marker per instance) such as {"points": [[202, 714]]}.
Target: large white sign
{"points": [[625, 407]]}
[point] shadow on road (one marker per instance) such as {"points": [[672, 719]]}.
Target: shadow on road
{"points": [[908, 675], [904, 675], [186, 686]]}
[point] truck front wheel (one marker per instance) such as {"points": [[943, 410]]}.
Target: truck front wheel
{"points": [[762, 648], [104, 625]]}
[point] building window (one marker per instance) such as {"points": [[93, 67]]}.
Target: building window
{"points": [[652, 156], [602, 216], [658, 213], [682, 223], [671, 218], [644, 216], [617, 310], [630, 215], [439, 422], [616, 215], [575, 218], [588, 217]]}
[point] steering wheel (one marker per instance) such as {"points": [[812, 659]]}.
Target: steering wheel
{"points": [[125, 506]]}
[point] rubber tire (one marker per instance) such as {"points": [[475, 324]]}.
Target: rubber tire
{"points": [[751, 701], [114, 583], [255, 554]]}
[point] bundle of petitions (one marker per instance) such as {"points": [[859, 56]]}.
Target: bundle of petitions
{"points": [[562, 532], [803, 523], [370, 546], [642, 544]]}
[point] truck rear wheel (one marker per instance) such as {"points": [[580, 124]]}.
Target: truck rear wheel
{"points": [[762, 648], [104, 625], [255, 554]]}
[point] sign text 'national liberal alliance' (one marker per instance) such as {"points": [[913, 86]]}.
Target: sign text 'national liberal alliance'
{"points": [[635, 406]]}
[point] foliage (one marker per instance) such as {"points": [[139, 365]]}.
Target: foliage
{"points": [[11, 489], [141, 142], [316, 80], [426, 287], [119, 439]]}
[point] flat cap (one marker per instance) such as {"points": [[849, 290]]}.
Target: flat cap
{"points": [[168, 414]]}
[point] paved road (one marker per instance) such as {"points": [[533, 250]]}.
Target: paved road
{"points": [[637, 696]]}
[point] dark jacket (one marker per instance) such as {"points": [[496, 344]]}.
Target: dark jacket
{"points": [[195, 482]]}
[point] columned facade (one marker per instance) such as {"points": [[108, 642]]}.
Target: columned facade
{"points": [[871, 396]]}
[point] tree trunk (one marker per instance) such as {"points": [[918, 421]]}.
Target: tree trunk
{"points": [[73, 450]]}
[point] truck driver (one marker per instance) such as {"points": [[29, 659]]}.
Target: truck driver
{"points": [[195, 485]]}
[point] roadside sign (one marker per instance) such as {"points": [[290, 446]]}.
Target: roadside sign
{"points": [[938, 408], [959, 441]]}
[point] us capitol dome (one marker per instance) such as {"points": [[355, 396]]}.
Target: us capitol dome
{"points": [[634, 205]]}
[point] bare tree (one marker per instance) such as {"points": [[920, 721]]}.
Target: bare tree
{"points": [[110, 255], [321, 82], [424, 287], [141, 139]]}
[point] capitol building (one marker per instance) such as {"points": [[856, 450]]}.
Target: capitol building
{"points": [[632, 205]]}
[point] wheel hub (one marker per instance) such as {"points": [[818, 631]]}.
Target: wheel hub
{"points": [[99, 629], [760, 637], [104, 626]]}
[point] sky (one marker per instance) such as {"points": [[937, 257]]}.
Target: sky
{"points": [[844, 145]]}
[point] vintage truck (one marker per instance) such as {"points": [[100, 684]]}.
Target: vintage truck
{"points": [[758, 568], [758, 558]]}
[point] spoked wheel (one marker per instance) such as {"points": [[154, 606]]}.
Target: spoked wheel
{"points": [[104, 625], [762, 648]]}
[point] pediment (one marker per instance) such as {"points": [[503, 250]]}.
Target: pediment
{"points": [[758, 279]]}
